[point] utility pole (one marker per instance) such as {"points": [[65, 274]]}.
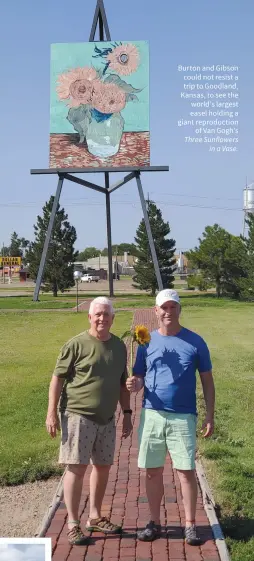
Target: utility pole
{"points": [[116, 263], [3, 275]]}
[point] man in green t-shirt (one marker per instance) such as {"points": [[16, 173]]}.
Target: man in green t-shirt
{"points": [[89, 377]]}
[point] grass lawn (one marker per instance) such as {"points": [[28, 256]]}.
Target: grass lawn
{"points": [[30, 344], [47, 301], [229, 456], [65, 301], [10, 287]]}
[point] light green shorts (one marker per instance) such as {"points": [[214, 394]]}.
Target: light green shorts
{"points": [[161, 432]]}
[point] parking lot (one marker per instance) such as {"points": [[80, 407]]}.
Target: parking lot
{"points": [[17, 288]]}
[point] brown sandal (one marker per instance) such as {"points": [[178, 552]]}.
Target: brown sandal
{"points": [[76, 536], [104, 525]]}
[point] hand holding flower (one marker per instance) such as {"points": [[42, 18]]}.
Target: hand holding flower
{"points": [[134, 384]]}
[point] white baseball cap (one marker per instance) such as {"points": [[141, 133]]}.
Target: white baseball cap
{"points": [[167, 295]]}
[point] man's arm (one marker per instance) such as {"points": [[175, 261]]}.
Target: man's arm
{"points": [[124, 401], [63, 367], [55, 390], [209, 396], [124, 398]]}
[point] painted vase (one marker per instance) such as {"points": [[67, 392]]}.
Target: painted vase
{"points": [[104, 132]]}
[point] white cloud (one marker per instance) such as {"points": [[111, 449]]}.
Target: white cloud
{"points": [[22, 552]]}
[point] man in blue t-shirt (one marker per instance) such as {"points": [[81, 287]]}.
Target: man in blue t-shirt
{"points": [[166, 368]]}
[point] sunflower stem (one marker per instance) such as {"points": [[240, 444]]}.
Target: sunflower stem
{"points": [[131, 361]]}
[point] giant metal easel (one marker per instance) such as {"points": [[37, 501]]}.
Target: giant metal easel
{"points": [[133, 173]]}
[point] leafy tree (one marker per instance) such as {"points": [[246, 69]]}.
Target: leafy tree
{"points": [[221, 257], [145, 278], [130, 248], [197, 281], [121, 248], [104, 252], [59, 268], [88, 253]]}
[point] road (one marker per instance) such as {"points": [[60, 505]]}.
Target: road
{"points": [[101, 287]]}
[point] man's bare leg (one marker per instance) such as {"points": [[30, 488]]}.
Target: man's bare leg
{"points": [[98, 483], [154, 491], [189, 492], [73, 481]]}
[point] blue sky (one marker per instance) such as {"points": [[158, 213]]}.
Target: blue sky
{"points": [[201, 188], [22, 552]]}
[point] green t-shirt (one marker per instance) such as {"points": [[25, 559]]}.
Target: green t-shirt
{"points": [[93, 371]]}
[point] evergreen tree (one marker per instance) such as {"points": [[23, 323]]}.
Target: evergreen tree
{"points": [[145, 278], [247, 284], [18, 246], [4, 250], [59, 268], [15, 249]]}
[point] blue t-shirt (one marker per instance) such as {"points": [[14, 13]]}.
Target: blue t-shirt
{"points": [[168, 365]]}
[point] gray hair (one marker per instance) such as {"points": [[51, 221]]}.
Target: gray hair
{"points": [[101, 300]]}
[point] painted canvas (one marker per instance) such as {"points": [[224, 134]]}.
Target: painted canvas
{"points": [[99, 109]]}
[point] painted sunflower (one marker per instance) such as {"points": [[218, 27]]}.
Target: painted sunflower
{"points": [[76, 86], [124, 59], [107, 98]]}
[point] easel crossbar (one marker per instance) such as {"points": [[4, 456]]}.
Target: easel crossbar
{"points": [[84, 183], [121, 182], [58, 171]]}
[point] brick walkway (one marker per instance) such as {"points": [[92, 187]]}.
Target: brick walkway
{"points": [[84, 307], [125, 501]]}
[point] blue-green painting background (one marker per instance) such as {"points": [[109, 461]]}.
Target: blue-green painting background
{"points": [[65, 56]]}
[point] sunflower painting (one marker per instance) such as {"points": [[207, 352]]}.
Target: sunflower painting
{"points": [[99, 109]]}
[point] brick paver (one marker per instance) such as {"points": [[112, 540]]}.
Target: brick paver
{"points": [[125, 501]]}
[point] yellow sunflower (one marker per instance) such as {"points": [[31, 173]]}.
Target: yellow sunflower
{"points": [[141, 335]]}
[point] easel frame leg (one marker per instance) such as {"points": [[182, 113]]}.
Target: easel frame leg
{"points": [[47, 239], [109, 237], [149, 232]]}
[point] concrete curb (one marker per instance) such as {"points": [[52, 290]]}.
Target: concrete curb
{"points": [[209, 506], [49, 515]]}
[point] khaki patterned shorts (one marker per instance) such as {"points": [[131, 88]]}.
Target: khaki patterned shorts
{"points": [[84, 441]]}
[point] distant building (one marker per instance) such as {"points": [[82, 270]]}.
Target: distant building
{"points": [[123, 264], [181, 263]]}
